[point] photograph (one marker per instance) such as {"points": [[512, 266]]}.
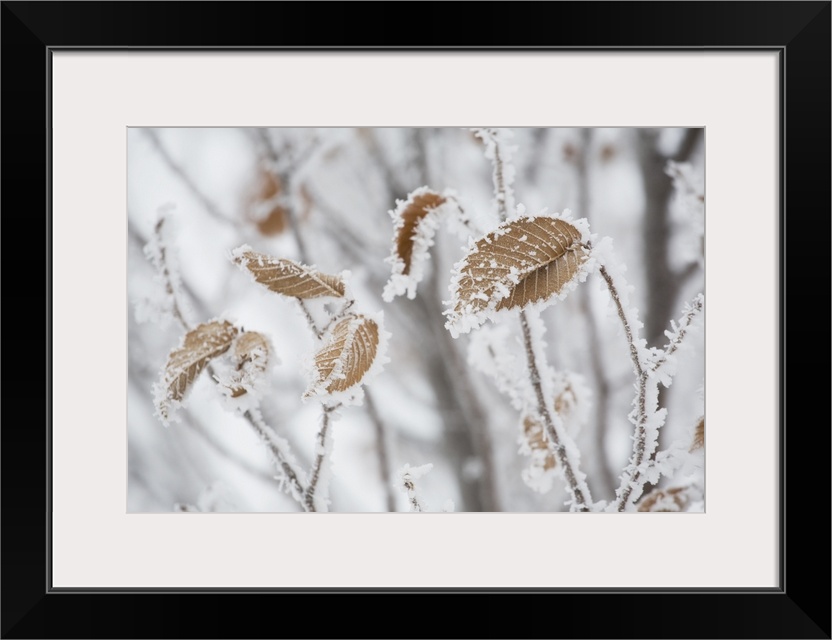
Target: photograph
{"points": [[435, 320]]}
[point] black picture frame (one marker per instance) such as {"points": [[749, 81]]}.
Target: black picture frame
{"points": [[798, 31]]}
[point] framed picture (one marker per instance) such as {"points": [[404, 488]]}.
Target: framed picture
{"points": [[118, 100]]}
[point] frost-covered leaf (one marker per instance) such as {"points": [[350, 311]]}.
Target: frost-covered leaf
{"points": [[698, 435], [347, 356], [524, 261], [287, 277], [415, 221], [251, 357], [534, 434], [186, 362], [409, 215], [672, 499]]}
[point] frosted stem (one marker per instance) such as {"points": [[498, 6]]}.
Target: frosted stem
{"points": [[168, 277], [556, 433], [310, 501], [632, 476], [694, 308], [503, 176], [628, 329], [281, 454]]}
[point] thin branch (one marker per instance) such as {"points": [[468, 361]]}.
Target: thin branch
{"points": [[578, 488], [281, 454], [694, 308], [503, 175], [638, 368], [632, 474], [647, 393], [164, 268], [322, 452]]}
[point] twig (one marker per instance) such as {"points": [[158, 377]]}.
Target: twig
{"points": [[309, 499], [680, 331], [631, 476], [628, 329], [164, 268], [282, 455], [500, 159], [578, 488]]}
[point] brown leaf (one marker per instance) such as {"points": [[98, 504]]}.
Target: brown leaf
{"points": [[251, 354], [417, 206], [287, 277], [274, 223], [523, 261], [565, 401], [263, 204], [185, 363], [667, 500], [347, 356], [698, 435], [536, 438]]}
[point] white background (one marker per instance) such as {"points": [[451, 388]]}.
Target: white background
{"points": [[96, 96]]}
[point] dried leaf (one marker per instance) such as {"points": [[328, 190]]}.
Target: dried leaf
{"points": [[667, 500], [185, 363], [347, 356], [535, 435], [415, 222], [251, 355], [524, 261], [565, 401], [417, 206], [698, 435], [287, 277], [263, 206]]}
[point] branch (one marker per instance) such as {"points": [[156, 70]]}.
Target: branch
{"points": [[167, 277], [499, 153], [647, 417], [323, 448], [629, 332], [281, 454], [679, 331], [561, 442]]}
